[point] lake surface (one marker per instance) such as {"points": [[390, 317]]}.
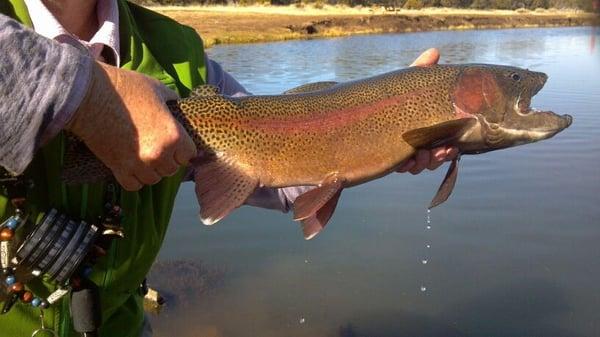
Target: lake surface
{"points": [[514, 252]]}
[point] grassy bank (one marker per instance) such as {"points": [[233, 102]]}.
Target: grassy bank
{"points": [[233, 24]]}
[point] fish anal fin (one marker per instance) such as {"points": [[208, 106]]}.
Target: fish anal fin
{"points": [[437, 134], [447, 185], [221, 187], [311, 87], [312, 225], [204, 91], [310, 202]]}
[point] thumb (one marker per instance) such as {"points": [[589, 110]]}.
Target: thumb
{"points": [[428, 58], [186, 148]]}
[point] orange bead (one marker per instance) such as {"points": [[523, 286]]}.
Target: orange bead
{"points": [[6, 234], [27, 297], [17, 287]]}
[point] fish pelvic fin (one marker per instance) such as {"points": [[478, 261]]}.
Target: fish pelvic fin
{"points": [[315, 207], [430, 136], [447, 185], [315, 223], [80, 165], [221, 187], [311, 87]]}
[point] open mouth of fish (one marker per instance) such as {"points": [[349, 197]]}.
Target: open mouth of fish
{"points": [[524, 108]]}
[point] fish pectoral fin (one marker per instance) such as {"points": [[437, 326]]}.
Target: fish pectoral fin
{"points": [[204, 91], [310, 87], [221, 187], [447, 185], [312, 225], [437, 134], [80, 165]]}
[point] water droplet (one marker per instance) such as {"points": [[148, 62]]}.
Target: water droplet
{"points": [[423, 289], [424, 261], [428, 246], [305, 261], [428, 227], [428, 211], [302, 320]]}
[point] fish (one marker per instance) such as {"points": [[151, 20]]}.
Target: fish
{"points": [[333, 136]]}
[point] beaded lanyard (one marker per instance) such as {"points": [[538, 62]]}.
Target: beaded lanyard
{"points": [[60, 247]]}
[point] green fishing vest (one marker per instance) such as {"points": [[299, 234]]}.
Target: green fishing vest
{"points": [[173, 54]]}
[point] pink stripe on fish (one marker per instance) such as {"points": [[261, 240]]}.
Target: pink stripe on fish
{"points": [[327, 119]]}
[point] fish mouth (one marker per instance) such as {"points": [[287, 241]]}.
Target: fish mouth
{"points": [[523, 107], [537, 124]]}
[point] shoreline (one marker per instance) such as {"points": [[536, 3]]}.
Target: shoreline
{"points": [[236, 24]]}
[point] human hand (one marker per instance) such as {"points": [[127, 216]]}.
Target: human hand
{"points": [[124, 121], [434, 158]]}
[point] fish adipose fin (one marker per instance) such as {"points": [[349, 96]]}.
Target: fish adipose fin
{"points": [[310, 87], [221, 187], [447, 185], [437, 134], [315, 207]]}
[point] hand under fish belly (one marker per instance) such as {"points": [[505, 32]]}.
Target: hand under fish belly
{"points": [[337, 135]]}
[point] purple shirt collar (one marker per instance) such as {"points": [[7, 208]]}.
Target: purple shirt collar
{"points": [[107, 36]]}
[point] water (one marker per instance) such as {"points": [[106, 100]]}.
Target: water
{"points": [[514, 252]]}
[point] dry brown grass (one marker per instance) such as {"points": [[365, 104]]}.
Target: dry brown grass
{"points": [[231, 24]]}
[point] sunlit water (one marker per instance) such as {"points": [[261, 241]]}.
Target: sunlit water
{"points": [[514, 252]]}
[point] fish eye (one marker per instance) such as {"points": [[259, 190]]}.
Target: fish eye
{"points": [[516, 77]]}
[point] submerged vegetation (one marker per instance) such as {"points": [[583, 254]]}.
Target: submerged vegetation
{"points": [[586, 5]]}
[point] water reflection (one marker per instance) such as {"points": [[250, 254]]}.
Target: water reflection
{"points": [[514, 251]]}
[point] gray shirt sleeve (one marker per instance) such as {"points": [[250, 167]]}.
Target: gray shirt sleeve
{"points": [[42, 84], [218, 77]]}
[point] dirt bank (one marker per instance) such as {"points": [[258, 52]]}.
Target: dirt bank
{"points": [[259, 24]]}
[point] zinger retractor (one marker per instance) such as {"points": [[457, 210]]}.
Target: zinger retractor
{"points": [[60, 248], [56, 247]]}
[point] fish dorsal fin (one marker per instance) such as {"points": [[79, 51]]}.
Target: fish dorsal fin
{"points": [[310, 87], [221, 187], [315, 207], [204, 91], [447, 185], [437, 134]]}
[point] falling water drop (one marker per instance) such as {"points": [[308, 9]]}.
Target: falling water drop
{"points": [[425, 259], [428, 219], [302, 320]]}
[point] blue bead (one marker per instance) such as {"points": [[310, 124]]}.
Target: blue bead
{"points": [[10, 280], [36, 302], [86, 271], [12, 223]]}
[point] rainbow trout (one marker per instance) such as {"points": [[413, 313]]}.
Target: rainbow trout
{"points": [[337, 135]]}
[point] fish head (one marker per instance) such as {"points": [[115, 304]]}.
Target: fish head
{"points": [[499, 97]]}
